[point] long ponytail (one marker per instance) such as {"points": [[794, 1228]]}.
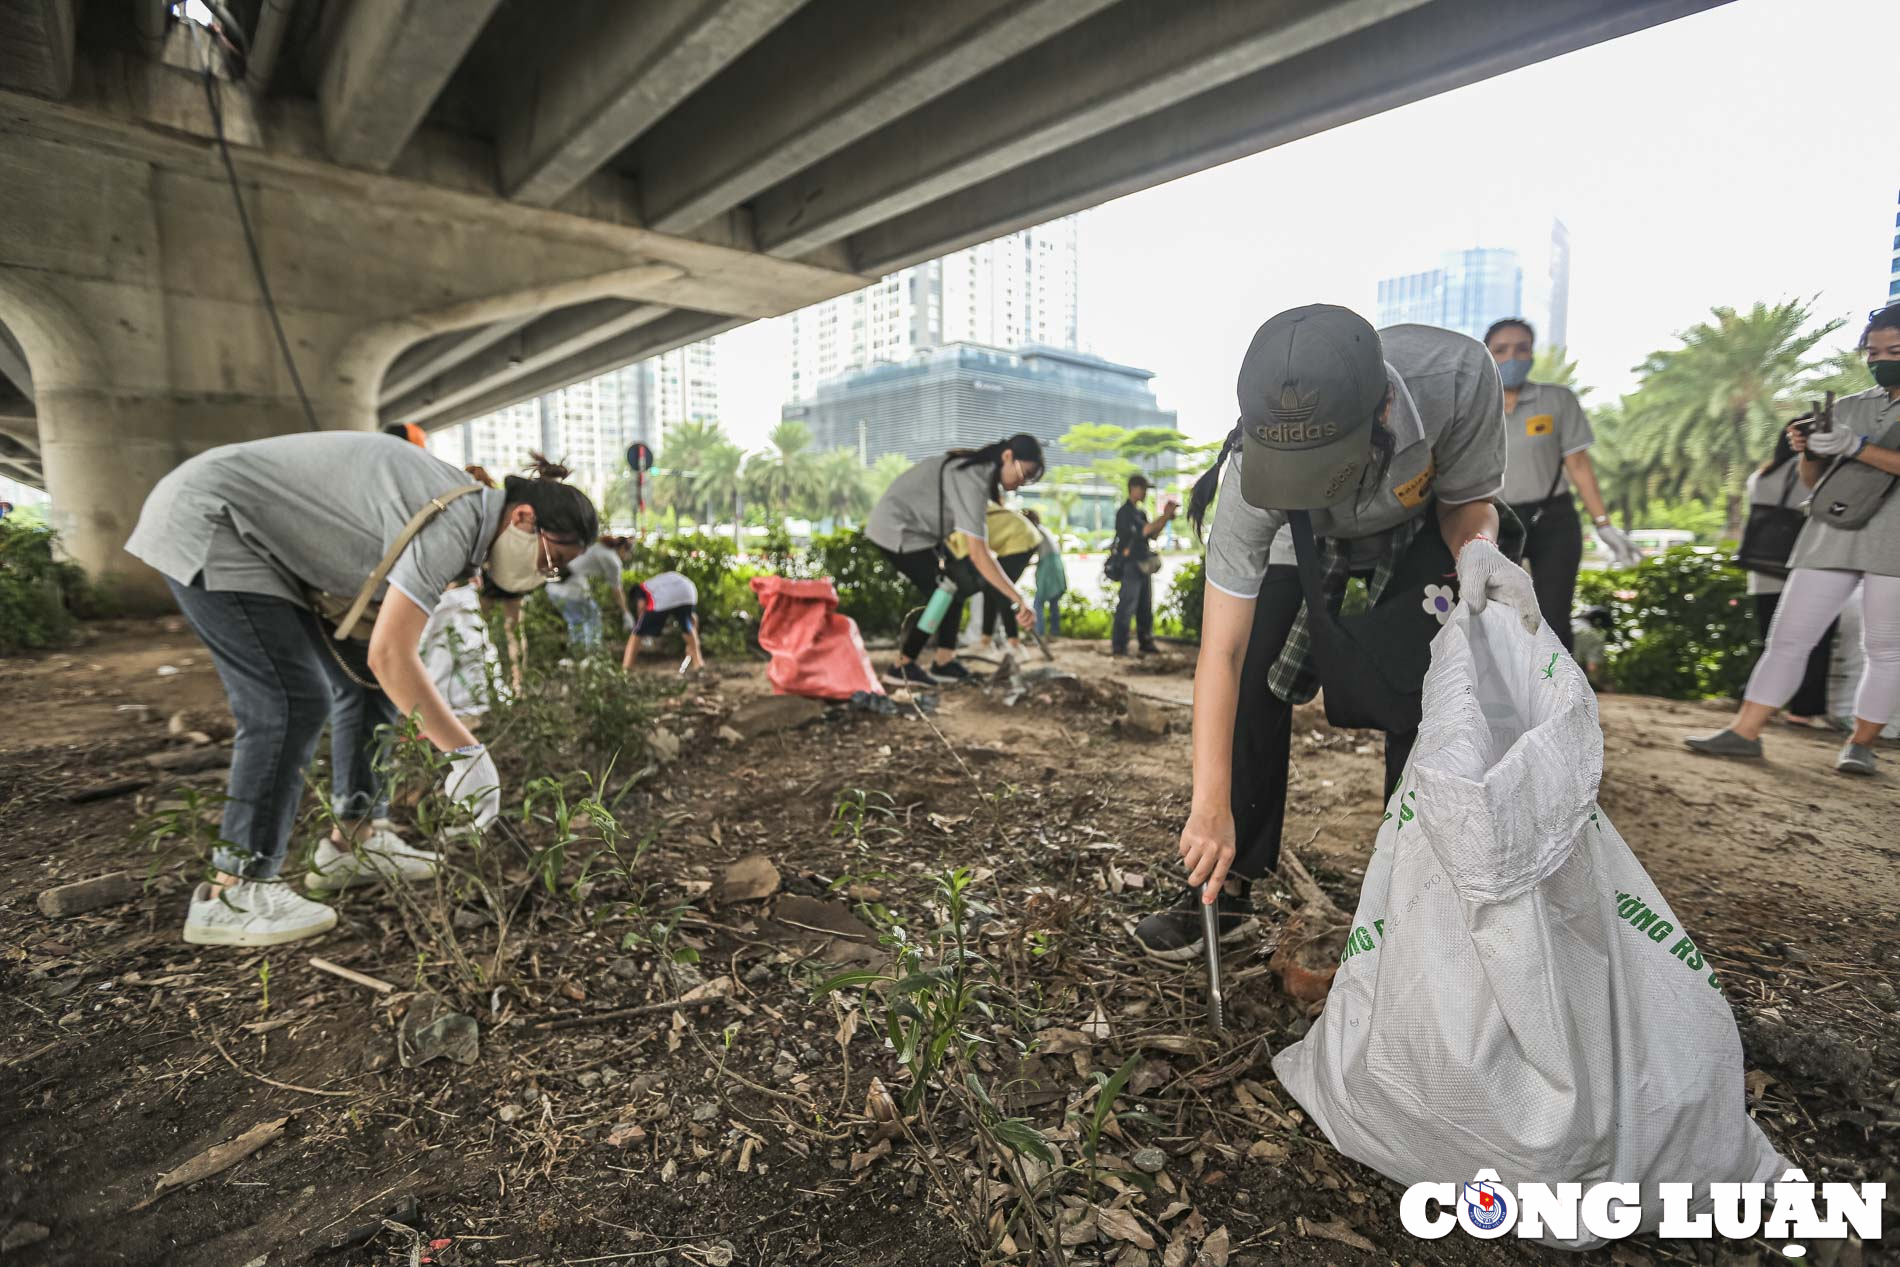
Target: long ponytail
{"points": [[1206, 486]]}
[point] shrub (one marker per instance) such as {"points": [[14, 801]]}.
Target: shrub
{"points": [[1684, 625], [869, 590], [1084, 619], [727, 605], [39, 594], [1187, 594]]}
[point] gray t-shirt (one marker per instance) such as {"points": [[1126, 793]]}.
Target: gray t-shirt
{"points": [[314, 510], [1874, 547], [1547, 426], [1447, 421], [910, 515], [596, 563]]}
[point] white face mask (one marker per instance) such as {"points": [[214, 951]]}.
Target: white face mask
{"points": [[514, 560]]}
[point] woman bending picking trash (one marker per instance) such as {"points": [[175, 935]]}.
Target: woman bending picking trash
{"points": [[1383, 450], [910, 523], [254, 540]]}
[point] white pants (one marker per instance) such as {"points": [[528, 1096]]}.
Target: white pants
{"points": [[1808, 606]]}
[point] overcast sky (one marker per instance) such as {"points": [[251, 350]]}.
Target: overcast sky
{"points": [[1681, 158]]}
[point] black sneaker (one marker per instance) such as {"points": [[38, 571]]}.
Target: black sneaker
{"points": [[1174, 935], [1149, 648], [911, 674], [953, 671]]}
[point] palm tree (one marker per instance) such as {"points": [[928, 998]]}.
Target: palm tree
{"points": [[678, 480], [1704, 413], [783, 476], [1843, 373], [840, 487], [1553, 365], [884, 472], [721, 479]]}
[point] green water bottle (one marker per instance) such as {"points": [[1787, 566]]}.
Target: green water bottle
{"points": [[939, 604]]}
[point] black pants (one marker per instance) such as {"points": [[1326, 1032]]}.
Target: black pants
{"points": [[1553, 551], [1810, 699], [919, 567], [995, 603], [1263, 733]]}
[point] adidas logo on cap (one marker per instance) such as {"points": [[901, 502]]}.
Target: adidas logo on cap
{"points": [[1296, 432]]}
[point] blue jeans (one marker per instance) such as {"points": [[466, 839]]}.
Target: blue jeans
{"points": [[1050, 627], [283, 685], [583, 620], [1135, 605]]}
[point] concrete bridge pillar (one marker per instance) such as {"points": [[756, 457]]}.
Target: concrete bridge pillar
{"points": [[126, 281]]}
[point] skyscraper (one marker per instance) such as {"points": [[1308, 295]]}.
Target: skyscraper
{"points": [[1474, 287], [1017, 290], [1558, 314], [588, 426]]}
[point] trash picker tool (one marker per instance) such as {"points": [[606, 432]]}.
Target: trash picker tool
{"points": [[1210, 938]]}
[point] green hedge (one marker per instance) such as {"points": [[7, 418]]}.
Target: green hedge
{"points": [[41, 597], [1187, 595], [1685, 626], [870, 591]]}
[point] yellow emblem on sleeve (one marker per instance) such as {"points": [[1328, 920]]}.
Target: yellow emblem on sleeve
{"points": [[1539, 425], [1418, 488]]}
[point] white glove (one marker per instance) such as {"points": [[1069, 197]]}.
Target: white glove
{"points": [[626, 620], [473, 781], [1830, 444], [1622, 550], [1484, 574]]}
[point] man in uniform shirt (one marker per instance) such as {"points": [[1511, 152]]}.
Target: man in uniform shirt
{"points": [[1547, 441]]}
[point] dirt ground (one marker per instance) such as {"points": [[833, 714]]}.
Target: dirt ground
{"points": [[725, 1120]]}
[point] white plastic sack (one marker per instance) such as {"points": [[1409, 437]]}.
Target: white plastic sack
{"points": [[458, 653], [1515, 994]]}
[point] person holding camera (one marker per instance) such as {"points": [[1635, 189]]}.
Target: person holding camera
{"points": [[1852, 538], [1138, 563]]}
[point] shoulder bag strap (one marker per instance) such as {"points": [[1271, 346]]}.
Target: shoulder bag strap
{"points": [[409, 530]]}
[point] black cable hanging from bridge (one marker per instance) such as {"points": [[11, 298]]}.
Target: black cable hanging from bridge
{"points": [[250, 243]]}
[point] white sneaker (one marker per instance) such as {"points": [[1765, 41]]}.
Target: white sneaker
{"points": [[255, 913], [383, 856]]}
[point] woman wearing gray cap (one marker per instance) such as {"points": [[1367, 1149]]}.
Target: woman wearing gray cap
{"points": [[1358, 453]]}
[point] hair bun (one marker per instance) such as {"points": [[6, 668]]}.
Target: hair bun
{"points": [[544, 469]]}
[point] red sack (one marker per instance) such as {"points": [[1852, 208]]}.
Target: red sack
{"points": [[815, 650]]}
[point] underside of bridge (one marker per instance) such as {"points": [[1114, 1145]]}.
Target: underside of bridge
{"points": [[458, 204]]}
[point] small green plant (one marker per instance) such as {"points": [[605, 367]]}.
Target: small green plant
{"points": [[263, 988], [863, 814], [940, 1008]]}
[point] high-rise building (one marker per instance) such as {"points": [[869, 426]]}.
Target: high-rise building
{"points": [[588, 426], [1474, 287], [1558, 311], [1014, 291], [965, 395]]}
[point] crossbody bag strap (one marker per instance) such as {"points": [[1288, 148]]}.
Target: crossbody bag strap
{"points": [[409, 530]]}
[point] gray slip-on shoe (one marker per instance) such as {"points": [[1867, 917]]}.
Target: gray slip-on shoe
{"points": [[1724, 743], [1857, 758]]}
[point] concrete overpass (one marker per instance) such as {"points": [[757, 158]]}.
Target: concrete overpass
{"points": [[459, 204]]}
